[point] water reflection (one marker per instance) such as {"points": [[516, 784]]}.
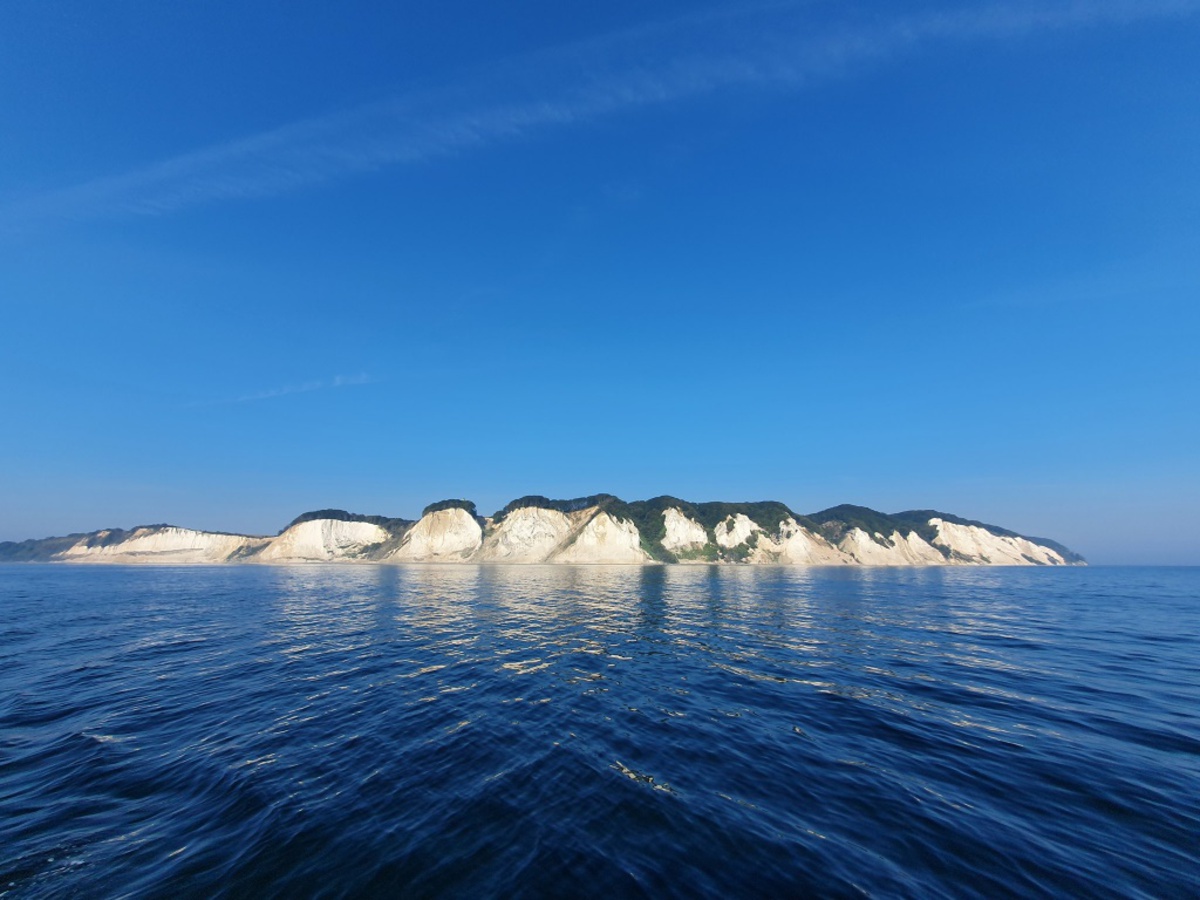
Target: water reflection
{"points": [[834, 668], [792, 613]]}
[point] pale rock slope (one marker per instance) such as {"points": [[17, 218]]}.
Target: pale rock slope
{"points": [[603, 539], [527, 535], [914, 550], [166, 545], [978, 546], [735, 530], [682, 533], [321, 540], [897, 550], [447, 535], [795, 545]]}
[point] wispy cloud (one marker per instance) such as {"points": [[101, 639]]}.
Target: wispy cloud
{"points": [[776, 48], [1167, 276], [305, 387]]}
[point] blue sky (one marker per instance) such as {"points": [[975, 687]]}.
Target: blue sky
{"points": [[261, 258]]}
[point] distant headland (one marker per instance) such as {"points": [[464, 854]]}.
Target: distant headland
{"points": [[596, 529]]}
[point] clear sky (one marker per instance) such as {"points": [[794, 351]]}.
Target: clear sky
{"points": [[258, 258]]}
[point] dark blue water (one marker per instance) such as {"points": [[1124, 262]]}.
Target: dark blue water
{"points": [[598, 732]]}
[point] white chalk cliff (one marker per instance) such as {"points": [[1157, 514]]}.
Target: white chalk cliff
{"points": [[165, 545], [889, 550], [323, 540], [447, 535], [599, 529], [528, 535], [682, 533], [793, 545], [971, 542], [603, 539], [735, 531]]}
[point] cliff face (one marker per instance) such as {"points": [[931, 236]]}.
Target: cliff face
{"points": [[600, 529], [603, 539], [735, 530], [890, 550], [447, 535], [163, 545], [682, 534], [797, 546], [529, 535], [972, 542], [320, 540]]}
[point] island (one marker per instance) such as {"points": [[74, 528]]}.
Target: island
{"points": [[600, 529]]}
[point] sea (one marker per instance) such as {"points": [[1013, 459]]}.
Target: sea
{"points": [[599, 731]]}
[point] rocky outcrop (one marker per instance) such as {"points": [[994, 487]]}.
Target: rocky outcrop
{"points": [[682, 533], [528, 535], [793, 545], [323, 540], [735, 530], [603, 539], [446, 535]]}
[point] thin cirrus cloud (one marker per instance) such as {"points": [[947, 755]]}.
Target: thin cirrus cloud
{"points": [[768, 47], [306, 387]]}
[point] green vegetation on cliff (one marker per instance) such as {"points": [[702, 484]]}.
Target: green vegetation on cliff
{"points": [[395, 526], [468, 505], [537, 501], [647, 517], [832, 524]]}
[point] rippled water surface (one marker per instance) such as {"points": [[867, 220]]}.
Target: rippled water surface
{"points": [[598, 731]]}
